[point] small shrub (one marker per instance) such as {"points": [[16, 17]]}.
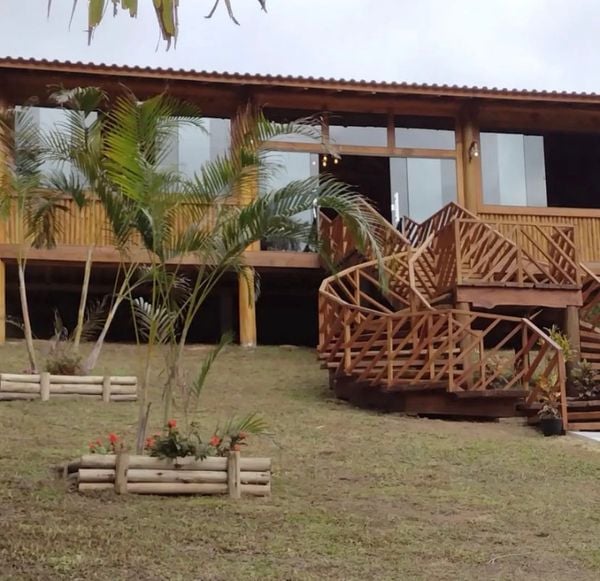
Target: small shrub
{"points": [[232, 436], [561, 339], [583, 384], [63, 361]]}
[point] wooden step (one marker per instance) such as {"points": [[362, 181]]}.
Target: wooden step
{"points": [[584, 426], [511, 393], [382, 364], [588, 416], [404, 353]]}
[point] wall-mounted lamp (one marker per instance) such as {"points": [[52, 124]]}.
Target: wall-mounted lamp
{"points": [[473, 150]]}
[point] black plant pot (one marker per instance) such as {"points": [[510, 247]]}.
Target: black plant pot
{"points": [[551, 426]]}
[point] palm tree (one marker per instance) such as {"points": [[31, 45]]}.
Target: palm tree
{"points": [[167, 14], [29, 196], [153, 201]]}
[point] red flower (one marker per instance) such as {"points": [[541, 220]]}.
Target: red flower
{"points": [[98, 442], [236, 448], [215, 441], [172, 424], [150, 442], [113, 438]]}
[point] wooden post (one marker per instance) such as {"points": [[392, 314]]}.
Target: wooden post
{"points": [[247, 308], [234, 478], [471, 159], [106, 389], [573, 334], [121, 466], [2, 303], [44, 386], [466, 340]]}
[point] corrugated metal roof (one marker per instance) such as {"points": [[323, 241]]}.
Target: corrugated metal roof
{"points": [[308, 83]]}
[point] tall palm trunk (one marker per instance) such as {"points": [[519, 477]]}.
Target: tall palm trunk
{"points": [[92, 358], [83, 299], [26, 319]]}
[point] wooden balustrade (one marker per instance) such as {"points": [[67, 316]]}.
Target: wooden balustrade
{"points": [[586, 224], [469, 353], [518, 254], [89, 226]]}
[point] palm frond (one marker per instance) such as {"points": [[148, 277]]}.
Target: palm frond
{"points": [[156, 323], [95, 316], [198, 383]]}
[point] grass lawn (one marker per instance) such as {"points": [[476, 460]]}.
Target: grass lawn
{"points": [[356, 494]]}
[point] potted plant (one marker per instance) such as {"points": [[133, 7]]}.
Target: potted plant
{"points": [[550, 419]]}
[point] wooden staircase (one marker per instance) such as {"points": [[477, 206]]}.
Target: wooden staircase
{"points": [[391, 325]]}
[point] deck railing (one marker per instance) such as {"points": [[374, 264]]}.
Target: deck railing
{"points": [[468, 353]]}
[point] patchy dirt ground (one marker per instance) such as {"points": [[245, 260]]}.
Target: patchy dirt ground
{"points": [[357, 494]]}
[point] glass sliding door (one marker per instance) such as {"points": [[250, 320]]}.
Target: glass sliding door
{"points": [[293, 166], [513, 169], [421, 186]]}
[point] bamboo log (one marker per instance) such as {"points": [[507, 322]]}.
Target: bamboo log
{"points": [[123, 389], [191, 476], [76, 388], [123, 380], [212, 463], [20, 377], [255, 477], [18, 386], [256, 489], [10, 395], [88, 486], [45, 386], [81, 379], [96, 475], [89, 396], [127, 397], [175, 488], [121, 467], [106, 389], [233, 475]]}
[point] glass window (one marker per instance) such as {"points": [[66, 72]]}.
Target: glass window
{"points": [[352, 135], [292, 166], [420, 187], [47, 120], [513, 169], [194, 146], [425, 138]]}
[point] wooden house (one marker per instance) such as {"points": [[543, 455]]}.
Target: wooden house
{"points": [[490, 207]]}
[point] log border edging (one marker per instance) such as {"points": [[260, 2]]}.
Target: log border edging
{"points": [[134, 474], [16, 386]]}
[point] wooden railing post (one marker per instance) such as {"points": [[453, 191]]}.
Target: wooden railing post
{"points": [[390, 350], [347, 337], [234, 479], [458, 252], [121, 467], [451, 346], [44, 386]]}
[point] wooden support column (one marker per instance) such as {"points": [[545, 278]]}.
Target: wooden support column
{"points": [[471, 159], [465, 343], [2, 302], [247, 309], [573, 332]]}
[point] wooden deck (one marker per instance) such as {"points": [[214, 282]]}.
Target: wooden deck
{"points": [[417, 330]]}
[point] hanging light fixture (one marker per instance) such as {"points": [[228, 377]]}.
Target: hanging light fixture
{"points": [[473, 150]]}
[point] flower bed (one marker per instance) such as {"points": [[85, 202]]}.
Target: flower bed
{"points": [[44, 386], [137, 474]]}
